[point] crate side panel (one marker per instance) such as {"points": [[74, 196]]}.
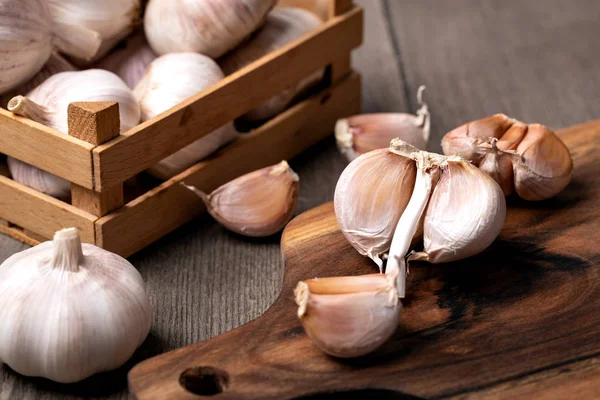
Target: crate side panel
{"points": [[136, 224], [153, 140]]}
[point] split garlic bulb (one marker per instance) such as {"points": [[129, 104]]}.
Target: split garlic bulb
{"points": [[256, 204], [28, 35], [282, 26], [362, 133], [169, 80], [48, 104], [528, 159], [70, 310], [112, 19], [349, 316], [130, 61], [462, 210], [210, 27]]}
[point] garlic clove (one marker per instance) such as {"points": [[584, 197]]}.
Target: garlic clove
{"points": [[465, 141], [86, 310], [465, 214], [349, 316], [208, 27], [256, 204], [544, 167], [282, 26], [498, 165], [370, 196], [362, 133]]}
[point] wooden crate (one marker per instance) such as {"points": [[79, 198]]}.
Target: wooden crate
{"points": [[97, 160]]}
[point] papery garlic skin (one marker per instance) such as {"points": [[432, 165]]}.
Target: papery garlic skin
{"points": [[70, 310], [48, 104], [130, 61], [370, 196], [359, 134], [256, 204], [282, 26], [169, 80], [348, 316], [209, 27], [467, 198]]}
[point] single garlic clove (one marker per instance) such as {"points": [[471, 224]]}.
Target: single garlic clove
{"points": [[370, 196], [465, 141], [362, 133], [349, 316], [256, 204], [465, 214], [545, 165], [498, 165]]}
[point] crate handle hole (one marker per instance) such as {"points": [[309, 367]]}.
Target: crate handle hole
{"points": [[204, 380]]}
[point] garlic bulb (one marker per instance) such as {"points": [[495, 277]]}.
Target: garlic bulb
{"points": [[349, 316], [256, 204], [210, 27], [28, 36], [462, 210], [362, 133], [112, 19], [48, 104], [70, 310], [282, 26], [529, 159], [169, 80], [130, 61]]}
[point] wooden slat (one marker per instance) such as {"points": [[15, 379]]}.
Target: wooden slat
{"points": [[159, 137], [339, 7], [40, 213], [18, 234], [132, 227], [46, 148]]}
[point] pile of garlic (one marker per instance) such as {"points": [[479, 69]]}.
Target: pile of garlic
{"points": [[183, 48]]}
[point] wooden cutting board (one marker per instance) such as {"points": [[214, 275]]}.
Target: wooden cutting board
{"points": [[521, 320]]}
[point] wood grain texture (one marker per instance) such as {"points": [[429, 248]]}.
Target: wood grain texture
{"points": [[129, 229], [151, 141], [527, 305], [37, 145], [204, 281]]}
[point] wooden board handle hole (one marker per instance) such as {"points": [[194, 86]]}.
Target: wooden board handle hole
{"points": [[204, 380]]}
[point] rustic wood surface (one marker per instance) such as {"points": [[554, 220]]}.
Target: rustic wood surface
{"points": [[536, 61]]}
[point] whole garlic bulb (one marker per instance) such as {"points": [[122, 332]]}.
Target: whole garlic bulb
{"points": [[210, 27], [70, 310], [28, 36], [362, 133], [282, 26], [130, 61], [349, 316], [112, 19], [169, 80], [462, 210], [48, 104], [527, 158], [256, 204]]}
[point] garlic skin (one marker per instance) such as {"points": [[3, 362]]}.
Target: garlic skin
{"points": [[257, 204], [282, 26], [349, 316], [48, 104], [362, 133], [70, 310], [169, 80], [209, 27], [370, 196], [112, 19], [29, 36], [527, 158], [130, 61]]}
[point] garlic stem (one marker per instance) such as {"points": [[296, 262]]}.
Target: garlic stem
{"points": [[409, 222], [67, 252], [198, 192], [24, 107], [423, 116]]}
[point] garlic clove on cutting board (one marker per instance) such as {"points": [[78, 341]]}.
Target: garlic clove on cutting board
{"points": [[70, 310]]}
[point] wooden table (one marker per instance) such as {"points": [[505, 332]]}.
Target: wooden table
{"points": [[535, 61]]}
